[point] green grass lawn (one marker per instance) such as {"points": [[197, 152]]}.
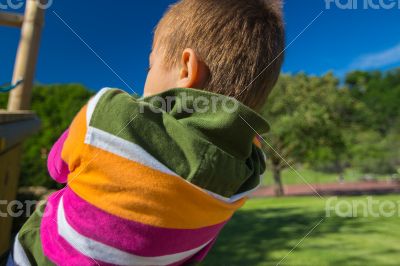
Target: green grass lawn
{"points": [[266, 230], [290, 177]]}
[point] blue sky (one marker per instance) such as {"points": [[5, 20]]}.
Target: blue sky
{"points": [[120, 33]]}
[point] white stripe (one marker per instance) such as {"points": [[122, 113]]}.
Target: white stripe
{"points": [[131, 151], [108, 254], [236, 197], [92, 104], [128, 150], [19, 256]]}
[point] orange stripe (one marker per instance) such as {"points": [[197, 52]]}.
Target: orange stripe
{"points": [[75, 142], [132, 191]]}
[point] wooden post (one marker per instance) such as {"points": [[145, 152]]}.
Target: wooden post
{"points": [[16, 126], [20, 97], [9, 174]]}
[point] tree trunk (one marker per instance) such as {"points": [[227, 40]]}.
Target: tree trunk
{"points": [[278, 180], [340, 170]]}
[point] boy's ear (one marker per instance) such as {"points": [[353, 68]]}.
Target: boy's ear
{"points": [[192, 71]]}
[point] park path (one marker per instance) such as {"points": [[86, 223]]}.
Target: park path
{"points": [[339, 189]]}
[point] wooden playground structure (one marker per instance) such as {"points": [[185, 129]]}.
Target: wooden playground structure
{"points": [[18, 123]]}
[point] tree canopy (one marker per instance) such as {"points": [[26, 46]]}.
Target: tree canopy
{"points": [[329, 126]]}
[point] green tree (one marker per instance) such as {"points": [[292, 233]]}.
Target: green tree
{"points": [[375, 150], [375, 154], [380, 92], [306, 116]]}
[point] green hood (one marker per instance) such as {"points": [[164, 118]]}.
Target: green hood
{"points": [[211, 147]]}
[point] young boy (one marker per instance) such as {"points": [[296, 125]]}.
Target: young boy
{"points": [[152, 181]]}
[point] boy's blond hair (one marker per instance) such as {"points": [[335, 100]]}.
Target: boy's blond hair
{"points": [[240, 41]]}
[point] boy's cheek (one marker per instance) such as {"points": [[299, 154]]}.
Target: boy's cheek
{"points": [[157, 82], [151, 84]]}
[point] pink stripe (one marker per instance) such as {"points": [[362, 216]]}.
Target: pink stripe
{"points": [[58, 169], [55, 248], [130, 236]]}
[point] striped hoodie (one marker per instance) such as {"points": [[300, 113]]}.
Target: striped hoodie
{"points": [[148, 183]]}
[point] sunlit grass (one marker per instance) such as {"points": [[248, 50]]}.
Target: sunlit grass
{"points": [[266, 230]]}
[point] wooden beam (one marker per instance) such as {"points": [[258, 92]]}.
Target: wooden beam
{"points": [[12, 134], [11, 117], [25, 64], [11, 19]]}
